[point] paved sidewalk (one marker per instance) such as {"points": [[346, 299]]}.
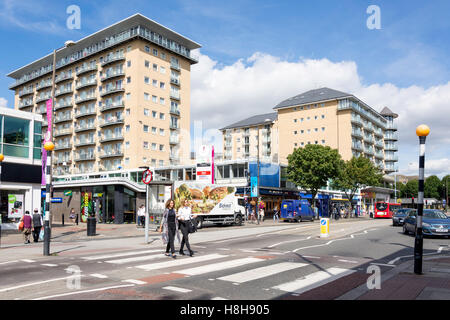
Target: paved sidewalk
{"points": [[402, 283]]}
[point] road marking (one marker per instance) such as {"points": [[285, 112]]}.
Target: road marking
{"points": [[135, 259], [219, 266], [262, 272], [383, 264], [284, 230], [313, 280], [49, 264], [218, 298], [439, 250], [172, 263], [134, 281], [250, 251], [35, 283], [276, 244], [311, 257], [9, 262], [28, 260], [84, 291], [224, 249], [348, 261], [177, 289], [98, 275], [107, 256], [194, 245]]}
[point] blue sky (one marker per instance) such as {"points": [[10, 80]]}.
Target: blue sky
{"points": [[411, 49]]}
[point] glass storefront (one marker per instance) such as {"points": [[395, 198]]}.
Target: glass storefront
{"points": [[12, 203]]}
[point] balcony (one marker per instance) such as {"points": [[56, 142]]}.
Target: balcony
{"points": [[43, 98], [63, 105], [368, 127], [379, 144], [85, 113], [369, 152], [378, 133], [112, 137], [111, 154], [267, 140], [25, 92], [174, 140], [246, 154], [84, 128], [85, 143], [357, 121], [175, 96], [111, 91], [391, 126], [112, 106], [390, 158], [175, 81], [393, 136], [391, 147], [174, 126], [357, 134], [357, 147], [175, 111], [63, 91], [85, 84], [64, 132], [63, 119], [84, 99], [379, 155], [175, 66], [62, 161], [111, 122], [112, 58], [369, 139], [86, 69], [112, 75], [228, 145], [63, 146], [44, 84], [27, 103], [64, 78], [246, 134], [85, 157], [174, 157]]}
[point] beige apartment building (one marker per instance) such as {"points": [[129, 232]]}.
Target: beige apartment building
{"points": [[327, 117], [122, 97]]}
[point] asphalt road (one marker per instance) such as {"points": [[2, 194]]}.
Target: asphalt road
{"points": [[287, 261]]}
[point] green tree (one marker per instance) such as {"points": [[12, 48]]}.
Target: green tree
{"points": [[445, 187], [312, 166], [356, 173], [410, 189], [432, 186]]}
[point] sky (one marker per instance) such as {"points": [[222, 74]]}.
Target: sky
{"points": [[257, 53]]}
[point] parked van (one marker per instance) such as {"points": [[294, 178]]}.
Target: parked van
{"points": [[296, 210]]}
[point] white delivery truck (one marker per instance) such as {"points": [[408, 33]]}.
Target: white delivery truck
{"points": [[218, 204]]}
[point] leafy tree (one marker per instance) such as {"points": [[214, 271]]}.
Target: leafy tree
{"points": [[356, 173], [312, 166], [410, 189], [432, 186], [445, 187]]}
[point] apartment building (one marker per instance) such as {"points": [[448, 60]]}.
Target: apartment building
{"points": [[330, 118], [245, 139], [122, 97]]}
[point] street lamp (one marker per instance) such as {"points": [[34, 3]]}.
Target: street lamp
{"points": [[49, 147], [422, 132], [147, 203]]}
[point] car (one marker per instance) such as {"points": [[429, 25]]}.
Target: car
{"points": [[399, 216], [434, 223]]}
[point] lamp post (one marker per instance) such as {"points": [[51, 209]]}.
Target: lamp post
{"points": [[49, 147], [422, 132], [147, 203]]}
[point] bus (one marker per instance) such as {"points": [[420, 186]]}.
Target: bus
{"points": [[385, 210]]}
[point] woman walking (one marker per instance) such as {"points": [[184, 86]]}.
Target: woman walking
{"points": [[261, 208], [169, 227], [184, 218], [275, 214], [27, 226]]}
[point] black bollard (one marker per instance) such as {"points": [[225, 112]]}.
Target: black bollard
{"points": [[63, 219], [91, 226]]}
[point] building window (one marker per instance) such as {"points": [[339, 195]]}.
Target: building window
{"points": [[128, 79], [129, 49], [127, 128], [128, 111], [147, 49], [155, 83], [162, 116], [315, 117], [146, 80], [154, 114], [147, 64], [316, 129], [161, 132], [162, 85], [162, 70], [161, 147], [129, 63], [162, 101], [155, 52], [161, 163], [323, 141], [145, 144], [295, 120], [146, 112], [295, 132], [302, 131], [323, 128], [301, 120], [155, 99], [155, 67], [163, 56], [323, 116], [308, 118], [309, 130], [153, 162], [144, 159], [154, 130], [153, 146], [295, 144], [128, 96], [302, 143], [127, 145], [16, 135], [145, 128], [316, 142]]}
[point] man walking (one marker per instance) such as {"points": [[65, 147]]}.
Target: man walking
{"points": [[141, 215], [37, 224]]}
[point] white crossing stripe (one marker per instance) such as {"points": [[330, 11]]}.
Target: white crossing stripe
{"points": [[218, 298], [313, 280], [177, 289], [135, 259], [28, 260], [12, 261], [174, 263], [84, 291], [219, 266], [134, 281], [262, 272], [49, 264], [98, 275], [124, 254]]}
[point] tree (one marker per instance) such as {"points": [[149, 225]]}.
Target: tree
{"points": [[312, 166], [445, 187], [432, 186], [410, 189], [356, 173]]}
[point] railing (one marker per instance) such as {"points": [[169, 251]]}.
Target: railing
{"points": [[391, 136], [65, 77], [391, 158], [369, 151], [175, 66], [174, 139], [84, 157], [44, 84], [175, 81], [83, 99], [115, 153], [63, 146], [175, 111], [62, 132], [27, 103], [62, 119], [85, 84], [64, 104], [80, 114], [63, 91], [84, 128], [174, 126], [357, 147], [43, 98], [112, 137], [357, 134], [111, 91], [175, 96], [24, 92], [84, 143], [112, 58], [86, 69], [391, 147], [112, 75], [111, 121], [379, 155], [391, 126], [114, 105]]}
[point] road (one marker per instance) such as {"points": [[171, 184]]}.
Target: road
{"points": [[285, 261]]}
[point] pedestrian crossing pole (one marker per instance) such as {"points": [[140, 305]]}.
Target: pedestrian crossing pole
{"points": [[422, 132], [49, 146]]}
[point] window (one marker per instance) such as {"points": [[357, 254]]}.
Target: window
{"points": [[154, 130], [316, 142], [155, 67], [153, 146], [155, 99], [295, 120], [153, 162], [162, 85], [128, 79], [144, 159], [161, 132], [162, 70], [128, 111], [16, 135], [295, 144], [127, 144], [162, 101], [146, 96], [308, 118], [302, 131], [147, 64], [315, 117], [145, 128], [162, 116], [147, 49], [129, 63], [128, 96], [129, 49], [323, 141], [301, 120], [309, 130], [145, 144], [161, 147], [316, 129], [155, 52], [323, 128], [146, 112], [127, 128], [161, 163], [295, 132], [323, 116], [163, 56], [127, 161], [154, 114], [155, 83], [302, 143]]}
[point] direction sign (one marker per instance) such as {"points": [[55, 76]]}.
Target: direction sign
{"points": [[147, 176]]}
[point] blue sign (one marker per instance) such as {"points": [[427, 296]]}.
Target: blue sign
{"points": [[323, 222], [254, 187], [43, 193], [56, 200]]}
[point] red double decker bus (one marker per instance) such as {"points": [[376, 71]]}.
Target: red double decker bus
{"points": [[385, 210]]}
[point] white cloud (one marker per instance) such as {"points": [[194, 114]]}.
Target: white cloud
{"points": [[221, 95], [3, 102], [439, 167]]}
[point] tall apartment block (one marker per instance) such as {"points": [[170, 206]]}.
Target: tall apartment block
{"points": [[122, 97], [327, 117]]}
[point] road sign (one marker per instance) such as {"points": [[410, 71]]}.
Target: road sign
{"points": [[324, 227], [56, 200], [147, 176], [68, 193]]}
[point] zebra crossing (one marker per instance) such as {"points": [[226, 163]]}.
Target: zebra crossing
{"points": [[244, 268]]}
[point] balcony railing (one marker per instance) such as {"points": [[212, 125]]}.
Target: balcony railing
{"points": [[357, 147], [114, 105], [368, 139], [84, 157], [60, 92], [391, 136], [63, 146], [112, 137], [174, 157], [391, 147], [175, 111], [85, 84], [111, 91], [175, 66], [62, 132], [24, 92], [379, 155], [379, 143], [113, 58], [64, 104], [175, 81], [63, 119], [112, 75], [369, 151], [43, 98], [175, 96], [111, 122], [390, 158], [80, 114], [27, 103], [174, 140], [357, 134], [63, 78], [110, 154], [44, 84], [378, 133], [84, 99], [391, 126], [84, 143], [84, 128], [174, 126], [86, 69]]}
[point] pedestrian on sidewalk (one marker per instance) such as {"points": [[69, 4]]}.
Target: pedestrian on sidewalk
{"points": [[37, 224], [275, 214], [184, 219], [261, 208], [73, 216], [27, 225], [169, 227], [141, 216]]}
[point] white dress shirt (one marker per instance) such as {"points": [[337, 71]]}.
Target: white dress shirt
{"points": [[141, 212], [185, 213]]}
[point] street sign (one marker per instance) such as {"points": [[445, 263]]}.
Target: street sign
{"points": [[56, 200], [68, 193], [147, 176], [324, 227]]}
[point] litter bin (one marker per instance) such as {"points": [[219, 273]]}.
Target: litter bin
{"points": [[91, 226]]}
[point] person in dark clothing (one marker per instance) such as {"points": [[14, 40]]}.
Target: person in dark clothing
{"points": [[37, 224], [169, 224], [184, 218]]}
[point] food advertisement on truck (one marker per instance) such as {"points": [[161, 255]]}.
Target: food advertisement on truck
{"points": [[207, 199]]}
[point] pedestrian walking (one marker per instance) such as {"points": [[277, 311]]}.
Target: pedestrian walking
{"points": [[275, 214], [141, 216], [316, 212], [37, 224], [27, 226], [169, 228], [73, 216], [185, 220], [261, 208]]}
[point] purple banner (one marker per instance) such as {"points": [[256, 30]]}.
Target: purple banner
{"points": [[48, 136], [44, 164]]}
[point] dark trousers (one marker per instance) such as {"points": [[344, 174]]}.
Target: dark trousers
{"points": [[142, 219], [171, 243], [185, 231], [36, 232], [76, 218]]}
